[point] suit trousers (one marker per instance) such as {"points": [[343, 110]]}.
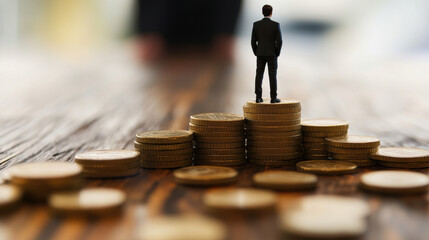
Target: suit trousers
{"points": [[272, 73]]}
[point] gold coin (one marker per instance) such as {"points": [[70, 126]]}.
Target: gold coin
{"points": [[44, 171], [288, 163], [313, 145], [9, 197], [111, 173], [273, 122], [273, 128], [220, 145], [351, 150], [325, 125], [294, 138], [166, 158], [313, 139], [264, 144], [217, 119], [285, 103], [222, 163], [164, 136], [220, 139], [172, 164], [353, 141], [326, 167], [168, 152], [325, 217], [143, 146], [403, 164], [220, 157], [107, 157], [274, 156], [273, 134], [316, 151], [266, 116], [340, 156], [245, 199], [205, 175], [219, 134], [88, 201], [395, 181], [260, 110], [401, 154], [182, 227], [200, 128], [324, 134], [285, 150], [219, 151], [285, 180], [309, 156]]}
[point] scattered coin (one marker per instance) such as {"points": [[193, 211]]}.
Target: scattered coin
{"points": [[205, 175], [10, 197], [326, 167], [401, 154], [164, 136], [182, 227], [217, 119], [395, 182], [353, 141], [92, 201], [285, 180], [245, 199]]}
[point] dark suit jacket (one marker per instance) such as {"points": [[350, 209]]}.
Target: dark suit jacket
{"points": [[266, 38]]}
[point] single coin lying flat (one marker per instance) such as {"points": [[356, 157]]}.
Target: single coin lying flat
{"points": [[395, 181], [182, 227], [326, 217], [205, 175], [88, 201], [285, 180], [107, 156], [401, 154], [326, 167], [245, 199]]}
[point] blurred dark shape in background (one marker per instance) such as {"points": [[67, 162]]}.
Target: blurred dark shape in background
{"points": [[166, 26]]}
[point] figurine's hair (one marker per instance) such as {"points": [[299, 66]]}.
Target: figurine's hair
{"points": [[267, 10]]}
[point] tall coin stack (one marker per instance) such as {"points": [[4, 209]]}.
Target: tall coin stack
{"points": [[352, 148], [273, 132], [314, 132], [164, 148], [219, 139]]}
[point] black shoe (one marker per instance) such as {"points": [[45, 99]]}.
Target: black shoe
{"points": [[259, 100], [275, 100]]}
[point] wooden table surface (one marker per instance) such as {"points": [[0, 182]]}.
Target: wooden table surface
{"points": [[52, 109]]}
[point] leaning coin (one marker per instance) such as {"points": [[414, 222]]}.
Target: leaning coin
{"points": [[285, 180], [244, 199], [164, 136], [205, 175], [326, 167], [395, 182]]}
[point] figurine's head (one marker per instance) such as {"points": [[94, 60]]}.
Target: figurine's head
{"points": [[267, 10]]}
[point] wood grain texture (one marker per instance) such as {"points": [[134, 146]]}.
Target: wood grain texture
{"points": [[52, 114]]}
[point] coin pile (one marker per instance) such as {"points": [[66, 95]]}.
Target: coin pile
{"points": [[219, 139], [285, 180], [395, 182], [92, 201], [273, 132], [314, 132], [205, 175], [108, 163], [164, 148], [325, 217], [10, 197], [402, 157], [353, 148], [39, 180]]}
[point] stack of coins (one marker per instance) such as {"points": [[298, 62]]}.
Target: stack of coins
{"points": [[352, 148], [164, 148], [273, 132], [39, 180], [285, 180], [219, 139], [314, 132], [402, 157], [109, 163]]}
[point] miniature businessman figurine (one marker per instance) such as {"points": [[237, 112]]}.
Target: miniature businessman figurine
{"points": [[266, 45]]}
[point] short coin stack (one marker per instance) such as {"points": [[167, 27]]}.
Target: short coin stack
{"points": [[273, 132], [314, 132], [164, 148], [402, 157], [353, 148], [39, 180], [219, 139], [109, 163]]}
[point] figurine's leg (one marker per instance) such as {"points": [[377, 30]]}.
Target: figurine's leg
{"points": [[260, 68], [272, 73]]}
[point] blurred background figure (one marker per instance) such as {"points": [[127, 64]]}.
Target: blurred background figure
{"points": [[167, 25]]}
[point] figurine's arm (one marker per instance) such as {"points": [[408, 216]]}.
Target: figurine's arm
{"points": [[254, 40], [279, 41]]}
